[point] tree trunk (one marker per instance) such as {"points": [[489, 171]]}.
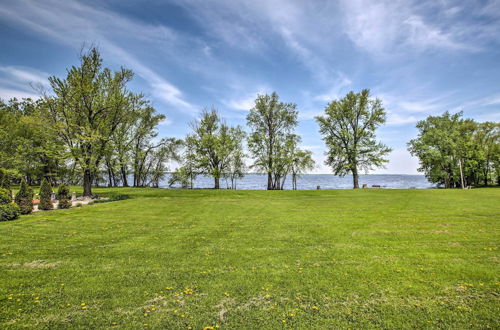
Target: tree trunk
{"points": [[87, 183], [461, 174], [124, 176], [217, 183], [269, 181], [355, 178]]}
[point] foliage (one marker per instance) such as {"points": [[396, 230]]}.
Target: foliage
{"points": [[63, 196], [419, 259], [45, 196], [302, 161], [348, 128], [8, 210], [5, 178], [457, 152], [24, 198], [5, 196], [86, 108], [180, 176], [272, 124], [214, 144]]}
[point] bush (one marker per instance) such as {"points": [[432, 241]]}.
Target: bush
{"points": [[9, 212], [63, 197], [24, 198], [45, 196]]}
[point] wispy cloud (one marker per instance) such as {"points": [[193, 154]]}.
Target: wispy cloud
{"points": [[72, 23], [390, 27], [21, 82]]}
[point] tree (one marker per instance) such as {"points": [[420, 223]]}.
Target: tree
{"points": [[213, 143], [302, 161], [24, 198], [187, 173], [272, 124], [85, 110], [236, 167], [45, 196], [63, 197], [456, 152], [27, 147], [348, 128], [486, 148]]}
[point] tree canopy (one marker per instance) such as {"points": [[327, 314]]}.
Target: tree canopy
{"points": [[348, 128]]}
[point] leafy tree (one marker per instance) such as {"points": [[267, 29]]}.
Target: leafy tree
{"points": [[63, 197], [142, 140], [85, 110], [167, 150], [24, 198], [187, 173], [348, 128], [302, 161], [45, 196], [213, 143], [456, 152], [272, 124]]}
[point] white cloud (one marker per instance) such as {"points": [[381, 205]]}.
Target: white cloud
{"points": [[21, 82], [25, 75], [247, 101], [7, 94], [72, 23], [389, 27], [394, 119]]}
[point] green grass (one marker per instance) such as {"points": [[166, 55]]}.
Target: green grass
{"points": [[255, 259]]}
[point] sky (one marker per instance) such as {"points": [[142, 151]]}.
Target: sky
{"points": [[420, 58]]}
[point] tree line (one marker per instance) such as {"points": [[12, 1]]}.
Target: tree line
{"points": [[91, 129]]}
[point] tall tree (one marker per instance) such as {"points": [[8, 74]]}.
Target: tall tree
{"points": [[86, 108], [348, 128], [456, 152], [213, 143], [302, 161], [272, 124], [236, 167]]}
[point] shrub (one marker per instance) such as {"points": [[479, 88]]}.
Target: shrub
{"points": [[45, 196], [24, 198], [5, 178], [63, 197], [8, 210]]}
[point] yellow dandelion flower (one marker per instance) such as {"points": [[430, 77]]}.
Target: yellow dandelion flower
{"points": [[208, 328], [315, 308], [226, 294]]}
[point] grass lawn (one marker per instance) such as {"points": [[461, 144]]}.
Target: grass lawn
{"points": [[175, 259]]}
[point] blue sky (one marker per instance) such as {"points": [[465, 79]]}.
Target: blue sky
{"points": [[420, 57]]}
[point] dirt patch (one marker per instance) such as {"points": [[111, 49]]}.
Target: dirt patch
{"points": [[38, 264]]}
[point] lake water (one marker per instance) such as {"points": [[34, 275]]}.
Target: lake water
{"points": [[326, 181]]}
